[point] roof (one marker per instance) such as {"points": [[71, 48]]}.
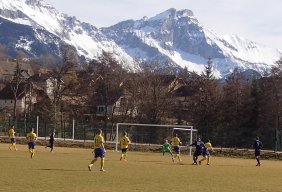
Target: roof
{"points": [[7, 68], [184, 91], [40, 77]]}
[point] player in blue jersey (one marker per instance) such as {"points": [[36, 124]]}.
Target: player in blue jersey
{"points": [[198, 151], [257, 146], [52, 140]]}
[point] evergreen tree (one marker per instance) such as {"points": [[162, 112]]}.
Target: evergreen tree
{"points": [[206, 100]]}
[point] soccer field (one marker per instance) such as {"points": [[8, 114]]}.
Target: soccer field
{"points": [[66, 170]]}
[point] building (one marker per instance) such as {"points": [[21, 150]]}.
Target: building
{"points": [[22, 95]]}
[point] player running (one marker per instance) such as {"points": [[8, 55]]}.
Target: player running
{"points": [[99, 150], [12, 136], [206, 152], [167, 149], [175, 142], [199, 147], [52, 140], [124, 142], [31, 137], [257, 146]]}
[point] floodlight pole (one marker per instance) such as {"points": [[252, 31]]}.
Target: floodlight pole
{"points": [[37, 125], [191, 137], [117, 138], [73, 129]]}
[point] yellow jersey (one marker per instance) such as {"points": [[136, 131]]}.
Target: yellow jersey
{"points": [[98, 141], [208, 145], [31, 137], [124, 141], [175, 141], [12, 133]]}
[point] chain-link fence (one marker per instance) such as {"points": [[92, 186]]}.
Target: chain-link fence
{"points": [[81, 130], [66, 130]]}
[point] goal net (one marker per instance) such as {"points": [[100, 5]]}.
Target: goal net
{"points": [[152, 136]]}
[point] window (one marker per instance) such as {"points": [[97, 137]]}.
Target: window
{"points": [[101, 108]]}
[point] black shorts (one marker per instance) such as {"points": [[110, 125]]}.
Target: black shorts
{"points": [[257, 153], [51, 141], [197, 153]]}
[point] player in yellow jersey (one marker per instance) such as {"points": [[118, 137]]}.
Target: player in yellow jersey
{"points": [[175, 142], [206, 153], [31, 137], [12, 136], [99, 150], [124, 141]]}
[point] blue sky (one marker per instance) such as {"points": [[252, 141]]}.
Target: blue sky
{"points": [[257, 20]]}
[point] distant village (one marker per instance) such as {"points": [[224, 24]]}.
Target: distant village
{"points": [[101, 93]]}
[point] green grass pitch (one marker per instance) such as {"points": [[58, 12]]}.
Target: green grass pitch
{"points": [[66, 170]]}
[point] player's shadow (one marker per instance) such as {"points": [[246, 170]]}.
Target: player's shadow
{"points": [[175, 164], [231, 165], [140, 161], [69, 170]]}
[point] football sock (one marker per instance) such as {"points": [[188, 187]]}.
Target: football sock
{"points": [[92, 162], [208, 160], [195, 159], [32, 153], [102, 163], [178, 156], [258, 160]]}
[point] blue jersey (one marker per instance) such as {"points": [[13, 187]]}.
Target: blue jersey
{"points": [[257, 145], [52, 136], [199, 145]]}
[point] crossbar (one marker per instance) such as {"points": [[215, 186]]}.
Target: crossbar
{"points": [[175, 127]]}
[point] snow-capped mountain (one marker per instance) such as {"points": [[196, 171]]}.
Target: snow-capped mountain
{"points": [[172, 38], [178, 38], [39, 15]]}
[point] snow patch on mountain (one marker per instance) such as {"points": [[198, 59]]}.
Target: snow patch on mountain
{"points": [[24, 43], [87, 39], [34, 13], [174, 38], [178, 36]]}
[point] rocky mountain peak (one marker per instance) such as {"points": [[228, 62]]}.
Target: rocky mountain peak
{"points": [[37, 3], [172, 14], [173, 38]]}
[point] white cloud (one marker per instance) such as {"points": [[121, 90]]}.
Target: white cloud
{"points": [[257, 20]]}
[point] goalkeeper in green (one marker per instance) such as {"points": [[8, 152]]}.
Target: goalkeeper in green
{"points": [[167, 149]]}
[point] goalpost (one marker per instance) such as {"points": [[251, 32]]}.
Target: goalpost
{"points": [[173, 128]]}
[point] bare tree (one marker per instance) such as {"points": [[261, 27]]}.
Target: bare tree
{"points": [[106, 78], [16, 85], [60, 83], [152, 95]]}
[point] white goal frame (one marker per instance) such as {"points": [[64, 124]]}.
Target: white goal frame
{"points": [[174, 127]]}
